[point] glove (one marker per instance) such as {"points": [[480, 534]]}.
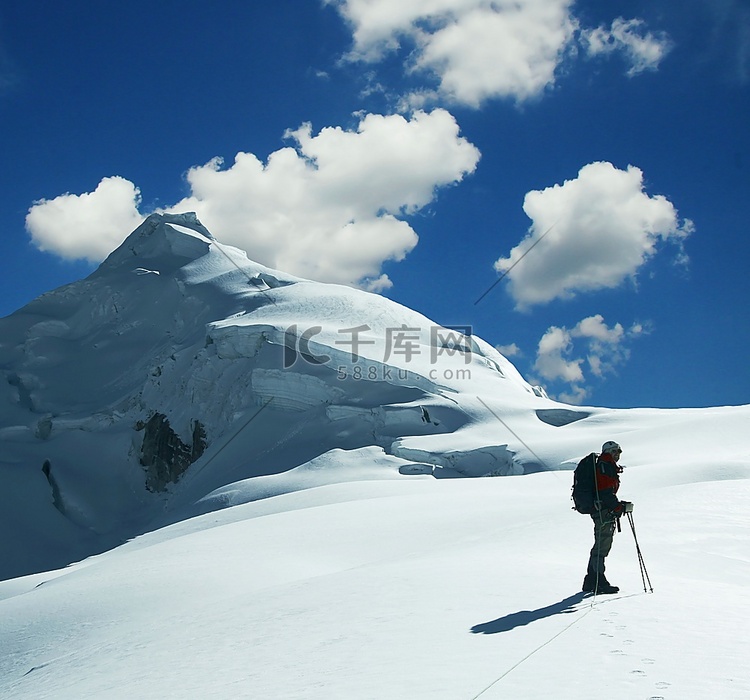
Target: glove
{"points": [[622, 508]]}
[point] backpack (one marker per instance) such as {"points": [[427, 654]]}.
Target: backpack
{"points": [[584, 484]]}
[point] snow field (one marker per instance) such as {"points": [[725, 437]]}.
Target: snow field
{"points": [[398, 589]]}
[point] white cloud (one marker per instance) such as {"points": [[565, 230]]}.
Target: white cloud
{"points": [[606, 347], [593, 233], [475, 50], [510, 50], [594, 327], [590, 348], [378, 25], [575, 395], [88, 225], [553, 357], [643, 49], [326, 207], [511, 350]]}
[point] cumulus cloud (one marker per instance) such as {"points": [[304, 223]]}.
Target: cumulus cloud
{"points": [[593, 232], [507, 51], [326, 207], [378, 25], [511, 350], [590, 349], [89, 225], [643, 49], [475, 50], [553, 360]]}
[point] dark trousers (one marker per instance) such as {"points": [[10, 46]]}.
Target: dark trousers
{"points": [[604, 532]]}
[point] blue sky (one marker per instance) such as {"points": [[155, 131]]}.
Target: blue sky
{"points": [[418, 150]]}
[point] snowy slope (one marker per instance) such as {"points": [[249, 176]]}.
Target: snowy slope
{"points": [[421, 589]]}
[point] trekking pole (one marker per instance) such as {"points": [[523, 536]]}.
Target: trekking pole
{"points": [[642, 564], [644, 573]]}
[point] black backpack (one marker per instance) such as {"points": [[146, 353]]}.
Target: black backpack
{"points": [[584, 484]]}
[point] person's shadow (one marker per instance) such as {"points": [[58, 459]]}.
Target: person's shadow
{"points": [[524, 617]]}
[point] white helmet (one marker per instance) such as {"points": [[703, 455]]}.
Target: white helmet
{"points": [[611, 446]]}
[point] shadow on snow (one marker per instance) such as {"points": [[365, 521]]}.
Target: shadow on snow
{"points": [[525, 617]]}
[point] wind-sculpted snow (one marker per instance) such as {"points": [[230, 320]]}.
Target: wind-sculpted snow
{"points": [[560, 416], [290, 384]]}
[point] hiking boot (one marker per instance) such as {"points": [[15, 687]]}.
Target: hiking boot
{"points": [[590, 585], [606, 587]]}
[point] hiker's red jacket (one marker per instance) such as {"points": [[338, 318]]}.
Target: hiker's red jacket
{"points": [[607, 482]]}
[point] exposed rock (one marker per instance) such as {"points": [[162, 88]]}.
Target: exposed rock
{"points": [[57, 500], [164, 455]]}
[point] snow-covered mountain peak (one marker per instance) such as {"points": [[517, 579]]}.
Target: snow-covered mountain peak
{"points": [[182, 374], [180, 367], [158, 240]]}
